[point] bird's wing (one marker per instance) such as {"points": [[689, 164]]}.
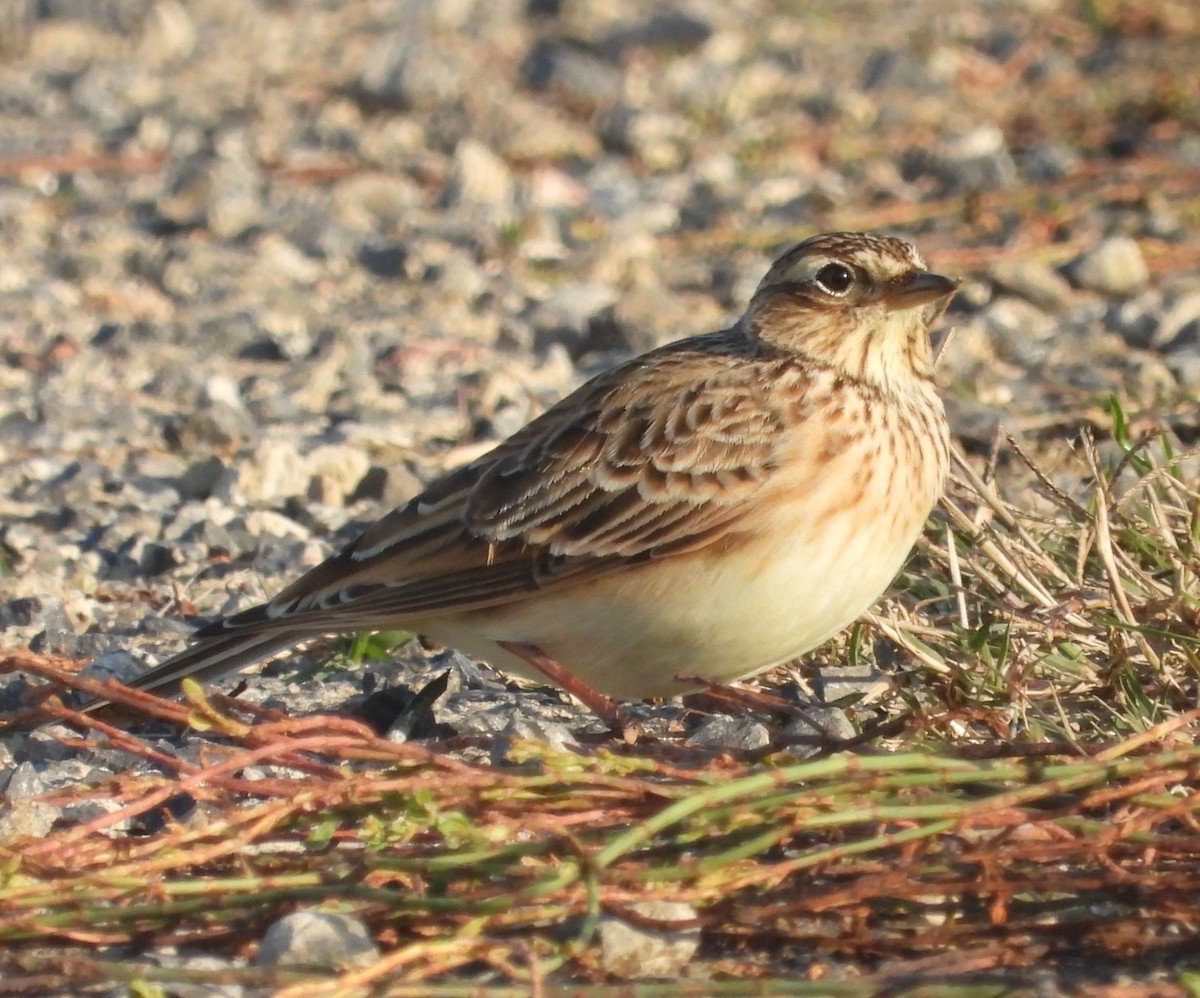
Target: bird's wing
{"points": [[648, 460]]}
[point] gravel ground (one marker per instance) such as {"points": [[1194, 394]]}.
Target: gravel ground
{"points": [[266, 267]]}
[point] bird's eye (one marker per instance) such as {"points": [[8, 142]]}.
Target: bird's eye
{"points": [[834, 279]]}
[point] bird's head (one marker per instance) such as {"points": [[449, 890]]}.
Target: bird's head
{"points": [[857, 301]]}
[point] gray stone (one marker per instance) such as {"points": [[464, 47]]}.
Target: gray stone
{"points": [[204, 963], [1049, 161], [1180, 325], [212, 425], [669, 30], [26, 780], [1036, 282], [388, 486], [203, 478], [383, 259], [37, 612], [214, 540], [170, 33], [658, 139], [534, 133], [573, 71], [974, 422], [1185, 365], [219, 187], [822, 723], [836, 682], [407, 69], [483, 179], [313, 938], [633, 952], [976, 161], [268, 523], [725, 732], [287, 332], [376, 202], [280, 259], [1137, 320], [119, 665], [524, 728], [343, 465], [1115, 267], [274, 470], [579, 315], [121, 16], [27, 819], [1019, 331]]}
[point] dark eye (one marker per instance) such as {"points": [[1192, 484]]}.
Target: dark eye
{"points": [[834, 279]]}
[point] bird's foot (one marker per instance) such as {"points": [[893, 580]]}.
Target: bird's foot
{"points": [[618, 721]]}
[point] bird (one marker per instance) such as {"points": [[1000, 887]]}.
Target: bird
{"points": [[710, 509]]}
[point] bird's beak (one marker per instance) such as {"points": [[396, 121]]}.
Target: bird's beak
{"points": [[919, 288]]}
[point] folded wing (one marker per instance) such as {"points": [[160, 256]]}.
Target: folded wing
{"points": [[620, 472]]}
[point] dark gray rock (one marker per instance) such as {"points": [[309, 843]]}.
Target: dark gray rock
{"points": [[202, 479], [119, 665], [574, 72], [41, 612], [383, 259], [670, 30], [724, 732]]}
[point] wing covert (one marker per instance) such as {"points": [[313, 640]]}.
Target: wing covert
{"points": [[643, 462]]}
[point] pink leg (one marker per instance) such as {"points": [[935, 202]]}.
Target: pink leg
{"points": [[596, 702]]}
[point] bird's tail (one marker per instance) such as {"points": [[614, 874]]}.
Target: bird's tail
{"points": [[208, 659]]}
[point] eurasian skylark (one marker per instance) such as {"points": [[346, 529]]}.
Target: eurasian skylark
{"points": [[712, 508]]}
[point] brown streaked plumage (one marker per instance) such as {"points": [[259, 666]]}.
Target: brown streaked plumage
{"points": [[714, 507]]}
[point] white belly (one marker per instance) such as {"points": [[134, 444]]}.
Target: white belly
{"points": [[720, 616]]}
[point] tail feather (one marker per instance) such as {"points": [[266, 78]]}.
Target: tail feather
{"points": [[209, 659]]}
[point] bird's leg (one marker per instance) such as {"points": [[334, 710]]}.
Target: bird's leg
{"points": [[596, 702]]}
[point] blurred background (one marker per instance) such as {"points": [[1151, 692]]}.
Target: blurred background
{"points": [[266, 265]]}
